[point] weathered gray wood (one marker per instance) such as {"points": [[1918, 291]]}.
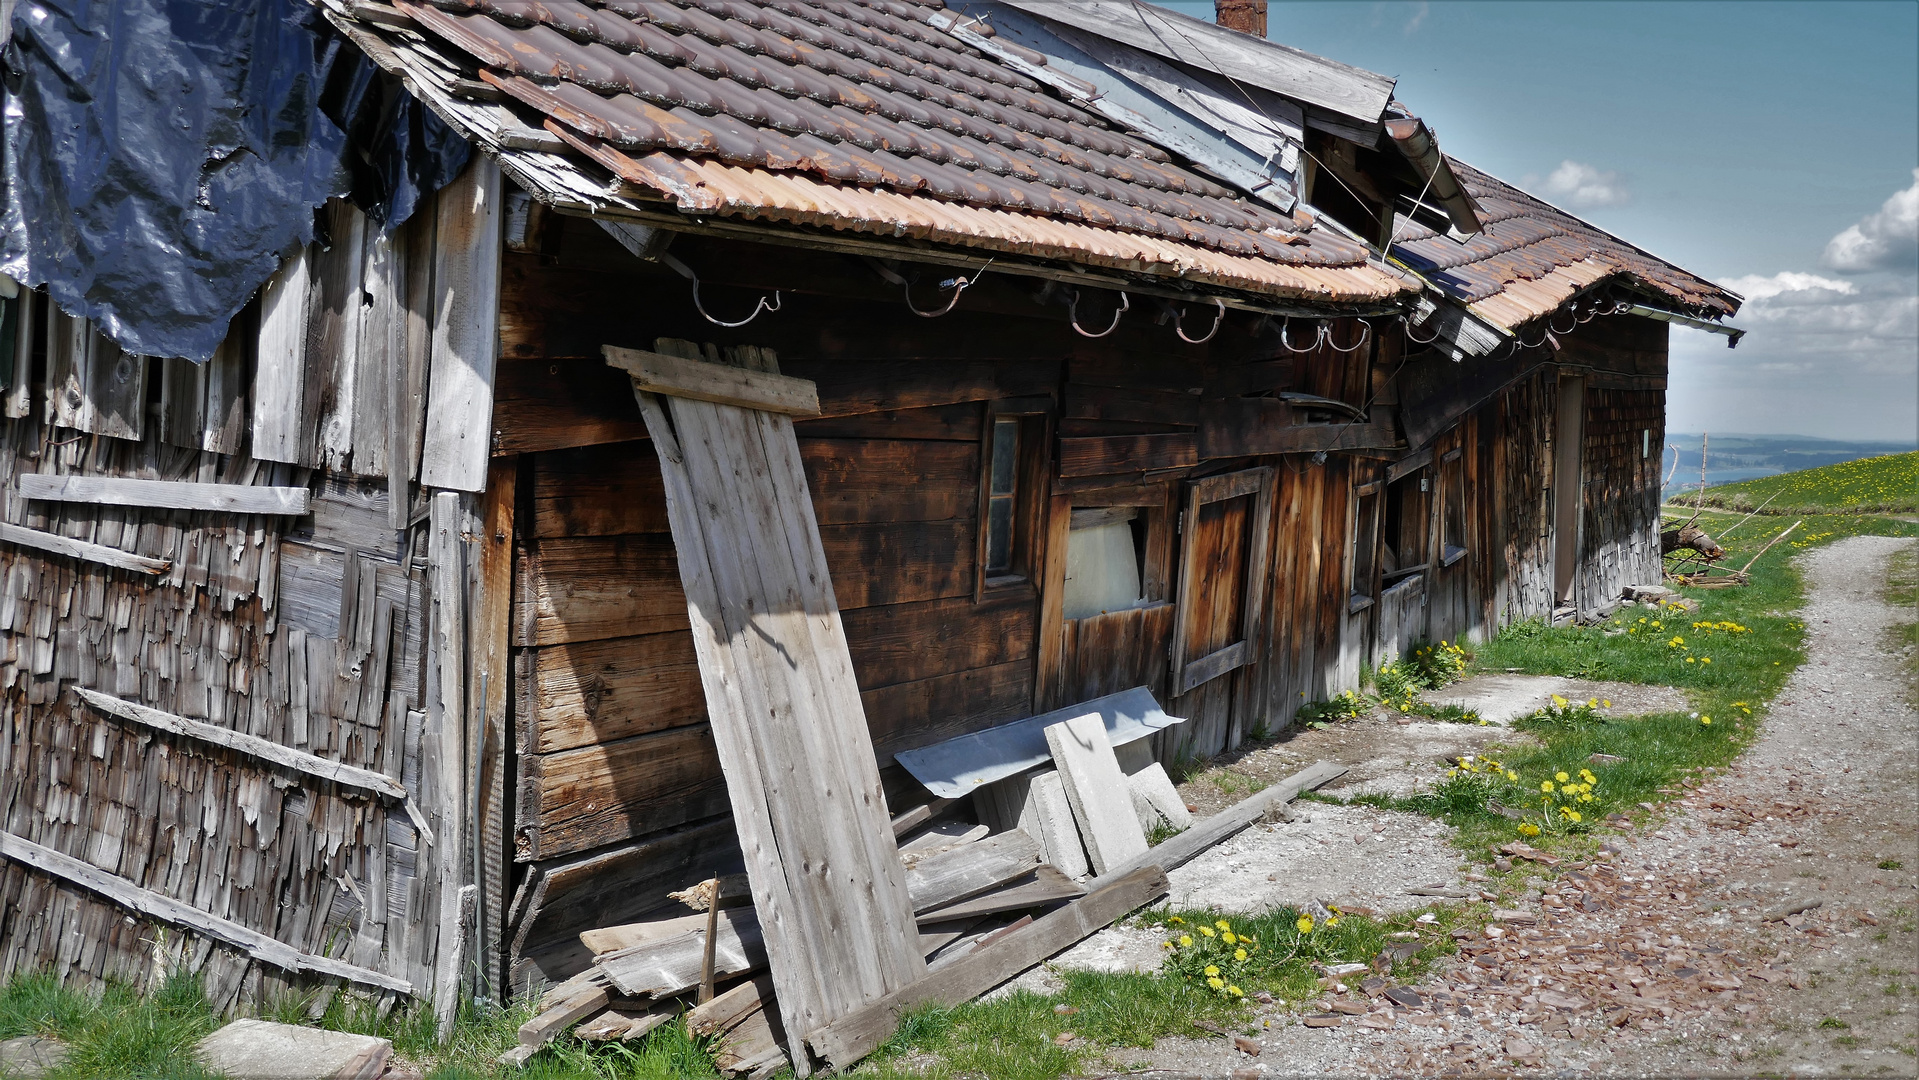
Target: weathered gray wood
{"points": [[334, 335], [183, 395], [223, 412], [1035, 803], [1097, 791], [279, 368], [1301, 76], [726, 1011], [174, 494], [81, 549], [1181, 849], [850, 1038], [1045, 885], [252, 745], [785, 709], [19, 399], [951, 876], [167, 909], [718, 383], [444, 743], [466, 286], [669, 961], [115, 385]]}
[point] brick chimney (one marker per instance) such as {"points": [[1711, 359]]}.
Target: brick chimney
{"points": [[1246, 16]]}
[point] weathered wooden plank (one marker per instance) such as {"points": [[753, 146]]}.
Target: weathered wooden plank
{"points": [[443, 779], [844, 1041], [727, 1010], [1114, 454], [555, 404], [959, 422], [698, 380], [899, 562], [905, 716], [336, 308], [1046, 885], [1130, 403], [487, 720], [947, 877], [852, 387], [1096, 790], [115, 385], [223, 411], [770, 645], [598, 491], [157, 906], [623, 882], [1181, 849], [279, 370], [909, 642], [18, 401], [182, 397], [466, 284], [382, 346], [251, 745], [174, 494], [600, 691], [603, 793], [587, 588], [1246, 427], [668, 961], [81, 549], [858, 480]]}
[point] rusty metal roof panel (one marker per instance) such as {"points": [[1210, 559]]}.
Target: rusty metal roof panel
{"points": [[862, 116], [1531, 257]]}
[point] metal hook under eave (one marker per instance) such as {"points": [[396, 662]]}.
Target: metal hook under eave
{"points": [[1406, 327], [1365, 335], [1072, 313], [959, 285], [686, 272], [1219, 320], [1319, 335]]}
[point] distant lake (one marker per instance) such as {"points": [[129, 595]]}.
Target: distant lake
{"points": [[1732, 457]]}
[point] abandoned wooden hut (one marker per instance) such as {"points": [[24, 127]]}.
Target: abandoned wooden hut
{"points": [[1113, 349]]}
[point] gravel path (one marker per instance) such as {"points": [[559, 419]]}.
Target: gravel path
{"points": [[1685, 924]]}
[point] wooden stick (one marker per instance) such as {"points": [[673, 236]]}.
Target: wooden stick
{"points": [[252, 745], [170, 494], [167, 909], [1770, 543], [712, 931], [1748, 517], [81, 549]]}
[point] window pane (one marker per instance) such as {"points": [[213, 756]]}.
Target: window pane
{"points": [[1005, 454], [1102, 570], [999, 533]]}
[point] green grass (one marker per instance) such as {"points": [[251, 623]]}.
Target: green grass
{"points": [[1014, 1037], [1888, 484], [121, 1033], [1902, 591]]}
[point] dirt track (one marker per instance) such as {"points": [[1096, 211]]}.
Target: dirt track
{"points": [[1675, 924]]}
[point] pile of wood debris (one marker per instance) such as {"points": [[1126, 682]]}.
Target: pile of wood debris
{"points": [[988, 905]]}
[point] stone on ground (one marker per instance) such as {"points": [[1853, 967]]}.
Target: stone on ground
{"points": [[260, 1050], [29, 1057]]}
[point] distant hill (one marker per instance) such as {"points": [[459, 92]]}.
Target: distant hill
{"points": [[1889, 483], [1733, 456]]}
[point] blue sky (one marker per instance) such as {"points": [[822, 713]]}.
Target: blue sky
{"points": [[1736, 139]]}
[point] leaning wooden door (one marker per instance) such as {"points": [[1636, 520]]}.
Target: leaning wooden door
{"points": [[1222, 583]]}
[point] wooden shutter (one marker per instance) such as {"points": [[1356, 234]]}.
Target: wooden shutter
{"points": [[1222, 575]]}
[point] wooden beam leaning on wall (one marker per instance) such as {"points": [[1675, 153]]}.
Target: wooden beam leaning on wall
{"points": [[81, 549], [785, 709], [700, 381], [168, 494], [167, 909]]}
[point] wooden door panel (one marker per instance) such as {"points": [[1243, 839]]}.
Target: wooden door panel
{"points": [[1222, 575]]}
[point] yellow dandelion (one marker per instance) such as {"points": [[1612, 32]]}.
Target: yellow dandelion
{"points": [[1305, 924], [1235, 991], [1227, 937], [1212, 969], [1707, 720], [1546, 785], [1527, 828], [1186, 941], [1208, 931], [1239, 954], [1561, 777], [1223, 925], [1216, 983]]}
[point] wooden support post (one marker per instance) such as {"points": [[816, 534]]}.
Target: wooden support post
{"points": [[443, 744], [466, 288]]}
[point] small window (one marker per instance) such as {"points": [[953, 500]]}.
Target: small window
{"points": [[1406, 525], [1105, 561], [1365, 547], [1012, 487], [1452, 518]]}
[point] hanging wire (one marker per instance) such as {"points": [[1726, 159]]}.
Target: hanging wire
{"points": [[1072, 311], [1551, 329], [958, 285], [1319, 336], [1218, 321], [1365, 335], [686, 272]]}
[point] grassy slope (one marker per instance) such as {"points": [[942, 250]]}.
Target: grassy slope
{"points": [[1887, 484]]}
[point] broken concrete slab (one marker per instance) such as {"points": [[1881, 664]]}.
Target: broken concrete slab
{"points": [[261, 1050], [30, 1057]]}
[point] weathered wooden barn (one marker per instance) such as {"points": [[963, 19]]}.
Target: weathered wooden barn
{"points": [[1146, 353]]}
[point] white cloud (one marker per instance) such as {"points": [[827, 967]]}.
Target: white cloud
{"points": [[1575, 184], [1757, 287], [1418, 18], [1885, 239]]}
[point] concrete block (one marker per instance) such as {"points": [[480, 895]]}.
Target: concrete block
{"points": [[260, 1050], [29, 1057]]}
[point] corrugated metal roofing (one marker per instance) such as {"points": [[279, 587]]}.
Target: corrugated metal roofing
{"points": [[858, 115], [1532, 257]]}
